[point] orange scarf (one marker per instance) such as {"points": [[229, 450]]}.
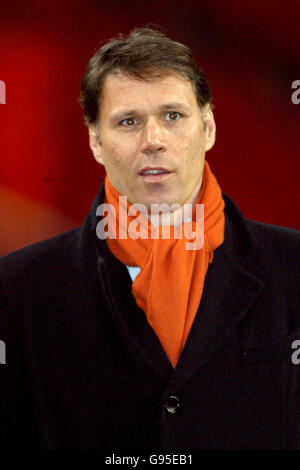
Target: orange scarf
{"points": [[170, 285]]}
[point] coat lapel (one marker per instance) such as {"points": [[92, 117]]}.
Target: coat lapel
{"points": [[232, 285], [129, 319], [229, 292]]}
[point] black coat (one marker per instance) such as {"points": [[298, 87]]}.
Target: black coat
{"points": [[84, 369]]}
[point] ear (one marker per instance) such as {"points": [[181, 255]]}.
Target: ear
{"points": [[94, 144], [210, 131]]}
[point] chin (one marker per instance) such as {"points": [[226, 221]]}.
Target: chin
{"points": [[169, 203]]}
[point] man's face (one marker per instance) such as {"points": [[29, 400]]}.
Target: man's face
{"points": [[152, 126]]}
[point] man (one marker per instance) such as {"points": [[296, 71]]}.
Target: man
{"points": [[119, 341]]}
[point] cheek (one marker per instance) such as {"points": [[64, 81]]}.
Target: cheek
{"points": [[119, 153], [191, 137], [113, 157], [191, 150], [191, 160], [198, 145]]}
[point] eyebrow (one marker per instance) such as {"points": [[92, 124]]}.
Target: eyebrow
{"points": [[168, 106]]}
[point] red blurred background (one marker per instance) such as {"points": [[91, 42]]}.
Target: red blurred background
{"points": [[249, 52]]}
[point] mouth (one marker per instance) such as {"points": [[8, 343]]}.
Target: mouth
{"points": [[154, 174]]}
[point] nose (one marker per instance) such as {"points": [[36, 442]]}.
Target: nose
{"points": [[153, 138]]}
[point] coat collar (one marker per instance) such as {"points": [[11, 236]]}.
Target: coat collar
{"points": [[232, 285]]}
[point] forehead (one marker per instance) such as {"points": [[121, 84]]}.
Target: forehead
{"points": [[121, 91]]}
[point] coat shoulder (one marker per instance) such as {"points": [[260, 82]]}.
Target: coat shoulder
{"points": [[271, 252], [284, 241], [44, 259], [278, 253], [268, 240]]}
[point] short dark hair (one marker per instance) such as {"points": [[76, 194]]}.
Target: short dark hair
{"points": [[145, 54]]}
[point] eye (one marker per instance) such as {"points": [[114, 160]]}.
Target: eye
{"points": [[129, 122], [173, 116]]}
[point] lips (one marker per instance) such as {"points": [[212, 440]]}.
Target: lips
{"points": [[157, 170], [154, 174]]}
